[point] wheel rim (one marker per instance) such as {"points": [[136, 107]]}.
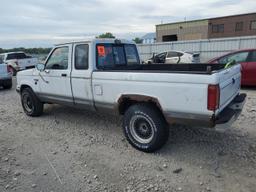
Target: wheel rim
{"points": [[141, 129], [28, 103]]}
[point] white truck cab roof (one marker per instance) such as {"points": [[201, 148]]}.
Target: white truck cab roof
{"points": [[98, 40]]}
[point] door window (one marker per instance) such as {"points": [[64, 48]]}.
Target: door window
{"points": [[81, 56], [237, 57], [58, 59]]}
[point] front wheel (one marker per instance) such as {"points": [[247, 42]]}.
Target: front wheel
{"points": [[145, 127], [32, 106]]}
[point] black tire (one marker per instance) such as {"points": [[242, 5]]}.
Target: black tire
{"points": [[145, 127], [8, 85], [32, 106]]}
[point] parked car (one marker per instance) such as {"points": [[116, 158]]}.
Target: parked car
{"points": [[174, 57], [247, 59], [106, 76], [5, 76], [18, 61]]}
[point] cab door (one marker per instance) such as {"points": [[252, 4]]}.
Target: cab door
{"points": [[81, 76], [55, 79]]}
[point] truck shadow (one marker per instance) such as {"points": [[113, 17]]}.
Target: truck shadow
{"points": [[191, 145], [230, 148]]}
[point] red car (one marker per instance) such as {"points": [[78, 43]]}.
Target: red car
{"points": [[247, 59]]}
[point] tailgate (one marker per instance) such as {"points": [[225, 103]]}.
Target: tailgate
{"points": [[229, 79]]}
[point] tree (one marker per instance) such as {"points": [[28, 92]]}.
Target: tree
{"points": [[138, 40], [106, 35]]}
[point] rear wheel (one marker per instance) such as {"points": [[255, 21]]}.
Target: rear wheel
{"points": [[145, 128], [32, 106]]}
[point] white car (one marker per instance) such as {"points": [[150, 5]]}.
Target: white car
{"points": [[174, 57], [106, 76], [18, 61], [5, 76]]}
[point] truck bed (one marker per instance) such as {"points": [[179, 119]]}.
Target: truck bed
{"points": [[199, 68]]}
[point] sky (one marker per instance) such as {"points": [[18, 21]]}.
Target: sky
{"points": [[42, 23]]}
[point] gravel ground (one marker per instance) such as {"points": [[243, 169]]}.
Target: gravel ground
{"points": [[73, 150]]}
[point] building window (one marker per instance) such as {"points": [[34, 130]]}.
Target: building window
{"points": [[253, 25], [218, 28], [239, 26]]}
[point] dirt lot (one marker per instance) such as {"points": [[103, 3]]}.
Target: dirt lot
{"points": [[72, 150]]}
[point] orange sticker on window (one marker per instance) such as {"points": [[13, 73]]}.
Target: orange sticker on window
{"points": [[101, 51]]}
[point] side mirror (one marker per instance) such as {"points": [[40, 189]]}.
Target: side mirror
{"points": [[40, 67]]}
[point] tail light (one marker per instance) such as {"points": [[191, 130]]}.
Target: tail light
{"points": [[213, 97]]}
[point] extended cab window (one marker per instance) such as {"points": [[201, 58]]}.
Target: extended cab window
{"points": [[113, 55], [81, 56], [58, 59]]}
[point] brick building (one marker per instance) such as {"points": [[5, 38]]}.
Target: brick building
{"points": [[219, 27]]}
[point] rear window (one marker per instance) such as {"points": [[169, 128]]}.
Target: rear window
{"points": [[114, 55], [16, 56]]}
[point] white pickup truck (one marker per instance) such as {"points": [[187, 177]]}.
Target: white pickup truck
{"points": [[18, 61], [106, 76]]}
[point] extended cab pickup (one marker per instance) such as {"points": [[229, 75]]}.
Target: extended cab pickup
{"points": [[106, 75], [18, 61]]}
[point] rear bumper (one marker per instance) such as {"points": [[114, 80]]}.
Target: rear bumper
{"points": [[6, 81], [232, 111], [228, 115]]}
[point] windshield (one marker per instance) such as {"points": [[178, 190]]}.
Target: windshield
{"points": [[113, 55]]}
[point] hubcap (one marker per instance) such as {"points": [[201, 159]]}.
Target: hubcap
{"points": [[27, 102], [141, 129]]}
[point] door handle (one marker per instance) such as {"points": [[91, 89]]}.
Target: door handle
{"points": [[47, 71], [63, 75]]}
